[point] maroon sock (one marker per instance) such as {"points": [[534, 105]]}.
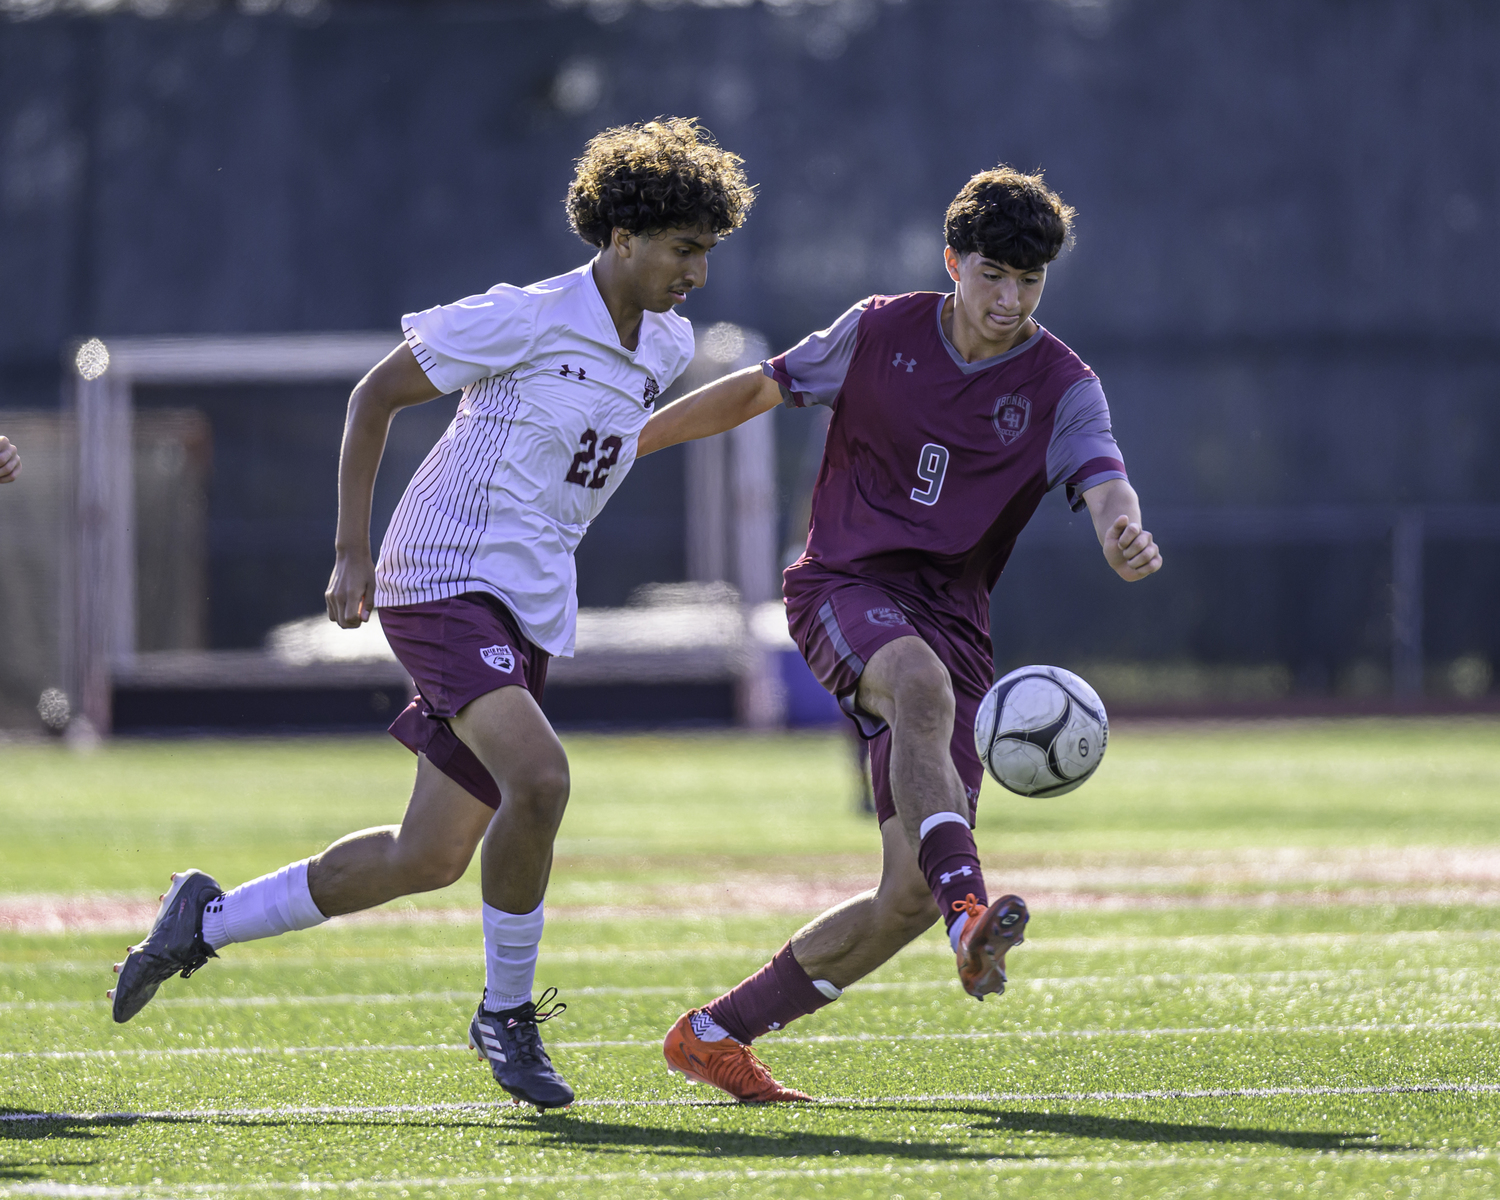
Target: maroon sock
{"points": [[772, 998], [951, 863]]}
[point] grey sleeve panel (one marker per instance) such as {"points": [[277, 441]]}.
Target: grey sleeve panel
{"points": [[813, 370], [1082, 440]]}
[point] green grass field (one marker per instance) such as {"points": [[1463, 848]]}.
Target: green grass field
{"points": [[1262, 962]]}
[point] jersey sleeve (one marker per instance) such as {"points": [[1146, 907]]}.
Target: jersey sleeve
{"points": [[1083, 452], [813, 371], [472, 339]]}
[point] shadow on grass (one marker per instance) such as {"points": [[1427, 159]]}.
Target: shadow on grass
{"points": [[27, 1125], [553, 1131], [1092, 1126]]}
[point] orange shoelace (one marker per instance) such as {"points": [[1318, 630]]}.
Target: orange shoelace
{"points": [[970, 904], [743, 1069]]}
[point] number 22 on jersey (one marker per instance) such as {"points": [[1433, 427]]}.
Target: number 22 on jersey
{"points": [[932, 465], [588, 443]]}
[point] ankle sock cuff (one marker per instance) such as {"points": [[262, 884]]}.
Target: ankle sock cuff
{"points": [[942, 818]]}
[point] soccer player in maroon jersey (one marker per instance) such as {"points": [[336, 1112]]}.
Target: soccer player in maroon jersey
{"points": [[952, 416]]}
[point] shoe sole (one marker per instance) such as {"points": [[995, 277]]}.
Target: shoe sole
{"points": [[991, 981]]}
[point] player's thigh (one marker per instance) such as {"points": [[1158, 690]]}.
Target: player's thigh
{"points": [[443, 824], [508, 732], [907, 676]]}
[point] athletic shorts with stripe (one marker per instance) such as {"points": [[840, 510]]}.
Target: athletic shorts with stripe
{"points": [[457, 650], [839, 625]]}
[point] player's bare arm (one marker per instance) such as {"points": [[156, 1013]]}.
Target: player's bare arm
{"points": [[711, 409], [10, 461], [1128, 547], [394, 383]]}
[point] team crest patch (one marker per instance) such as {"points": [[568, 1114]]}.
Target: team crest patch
{"points": [[886, 616], [502, 658], [1011, 418], [650, 393]]}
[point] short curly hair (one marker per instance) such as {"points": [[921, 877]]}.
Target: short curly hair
{"points": [[664, 174], [1012, 218]]}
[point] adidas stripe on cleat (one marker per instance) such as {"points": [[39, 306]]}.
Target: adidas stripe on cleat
{"points": [[986, 936], [726, 1064], [175, 945], [512, 1046]]}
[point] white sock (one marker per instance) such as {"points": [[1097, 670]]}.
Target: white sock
{"points": [[953, 933], [511, 941], [706, 1028], [273, 904]]}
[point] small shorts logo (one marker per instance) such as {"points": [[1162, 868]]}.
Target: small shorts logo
{"points": [[889, 617], [502, 658], [1011, 418]]}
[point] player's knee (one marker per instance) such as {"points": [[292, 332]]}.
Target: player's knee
{"points": [[924, 694], [911, 907], [427, 868], [541, 793]]}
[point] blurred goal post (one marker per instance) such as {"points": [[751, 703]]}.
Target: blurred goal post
{"points": [[99, 577], [730, 489]]}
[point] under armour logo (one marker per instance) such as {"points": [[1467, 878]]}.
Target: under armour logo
{"points": [[908, 363], [567, 370], [774, 1025], [949, 876]]}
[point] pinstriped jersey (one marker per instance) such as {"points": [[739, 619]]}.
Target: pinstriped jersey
{"points": [[546, 429]]}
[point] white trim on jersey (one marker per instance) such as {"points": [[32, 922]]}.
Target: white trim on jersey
{"points": [[547, 427]]}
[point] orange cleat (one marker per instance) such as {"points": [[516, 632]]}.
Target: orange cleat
{"points": [[987, 934], [728, 1065]]}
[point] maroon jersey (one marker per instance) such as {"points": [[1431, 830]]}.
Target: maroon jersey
{"points": [[933, 465]]}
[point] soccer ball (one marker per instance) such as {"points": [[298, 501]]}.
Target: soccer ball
{"points": [[1041, 731]]}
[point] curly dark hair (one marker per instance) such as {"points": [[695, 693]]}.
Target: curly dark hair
{"points": [[1012, 218], [664, 174]]}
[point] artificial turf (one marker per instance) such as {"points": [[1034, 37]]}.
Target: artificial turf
{"points": [[1317, 1025]]}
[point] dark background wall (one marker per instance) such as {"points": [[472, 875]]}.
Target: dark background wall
{"points": [[1285, 270]]}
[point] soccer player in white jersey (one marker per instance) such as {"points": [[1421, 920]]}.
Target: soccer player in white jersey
{"points": [[476, 581]]}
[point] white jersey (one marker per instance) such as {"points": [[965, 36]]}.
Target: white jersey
{"points": [[552, 408]]}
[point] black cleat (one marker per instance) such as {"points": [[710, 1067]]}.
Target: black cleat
{"points": [[510, 1043], [174, 945]]}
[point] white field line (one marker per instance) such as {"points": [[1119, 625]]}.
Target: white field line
{"points": [[826, 1039], [933, 947], [927, 948], [282, 1112], [1244, 980], [995, 1166]]}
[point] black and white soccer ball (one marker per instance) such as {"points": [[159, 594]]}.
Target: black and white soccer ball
{"points": [[1041, 731]]}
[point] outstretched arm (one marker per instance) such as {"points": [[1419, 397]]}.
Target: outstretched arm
{"points": [[10, 461], [394, 383], [1128, 548], [711, 409]]}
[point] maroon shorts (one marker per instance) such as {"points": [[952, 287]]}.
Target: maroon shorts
{"points": [[455, 651], [839, 625]]}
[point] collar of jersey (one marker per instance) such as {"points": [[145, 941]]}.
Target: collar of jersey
{"points": [[984, 364], [606, 331]]}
